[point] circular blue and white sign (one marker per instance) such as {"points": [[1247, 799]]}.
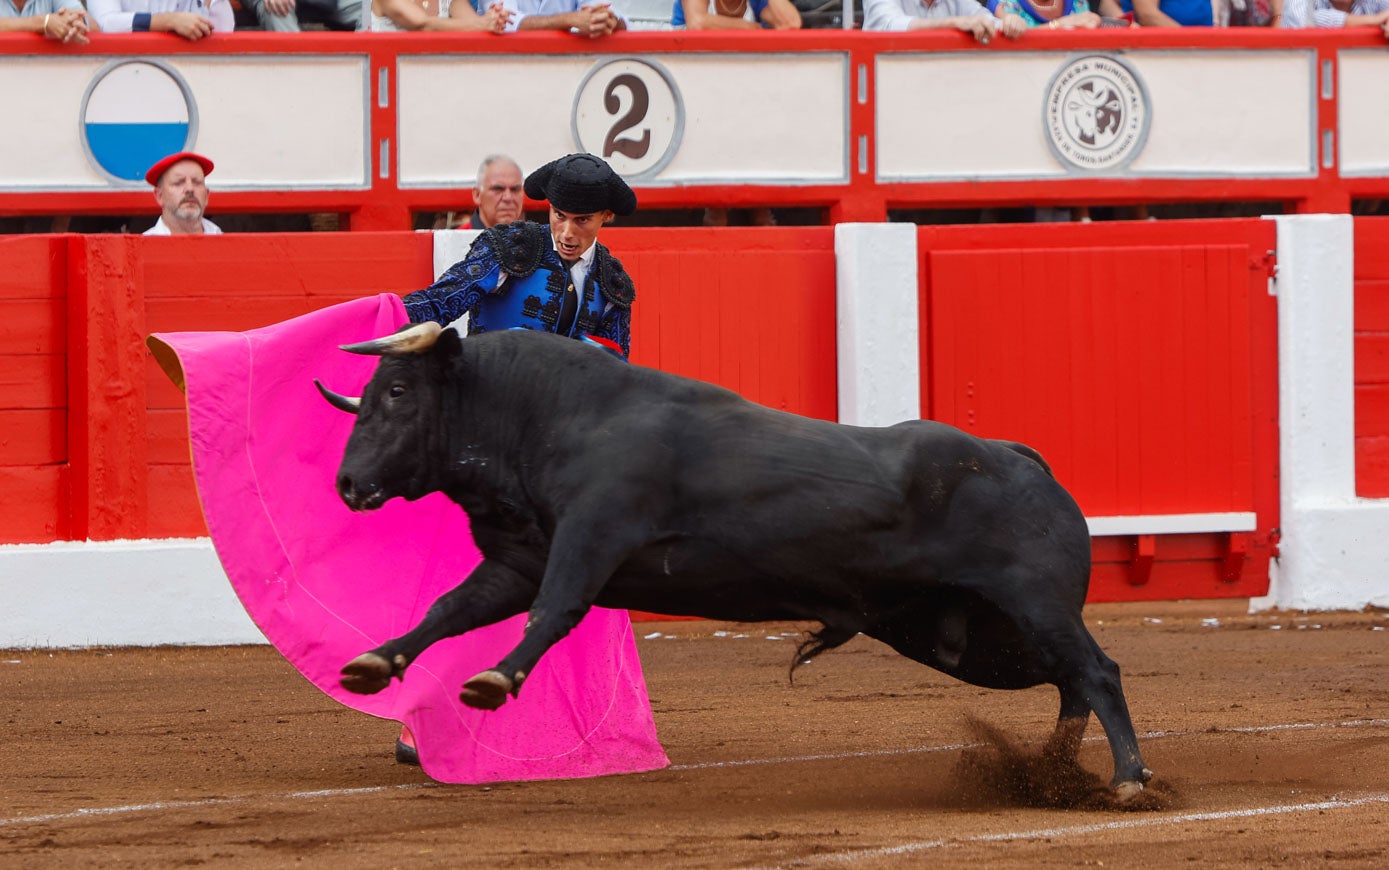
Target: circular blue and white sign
{"points": [[134, 113]]}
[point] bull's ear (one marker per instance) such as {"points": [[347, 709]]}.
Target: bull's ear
{"points": [[449, 343]]}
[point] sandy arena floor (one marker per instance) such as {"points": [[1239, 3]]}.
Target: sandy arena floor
{"points": [[1269, 736]]}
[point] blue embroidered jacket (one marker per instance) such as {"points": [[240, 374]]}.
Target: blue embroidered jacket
{"points": [[532, 292]]}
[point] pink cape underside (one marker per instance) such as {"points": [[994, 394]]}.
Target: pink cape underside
{"points": [[325, 584]]}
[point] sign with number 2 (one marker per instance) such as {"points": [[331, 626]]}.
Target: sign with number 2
{"points": [[629, 112]]}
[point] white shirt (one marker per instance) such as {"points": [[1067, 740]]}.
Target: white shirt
{"points": [[521, 8], [162, 229], [1320, 13], [373, 23], [579, 273], [117, 16], [897, 15]]}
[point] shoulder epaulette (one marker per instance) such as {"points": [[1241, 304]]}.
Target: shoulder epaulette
{"points": [[518, 246], [613, 280]]}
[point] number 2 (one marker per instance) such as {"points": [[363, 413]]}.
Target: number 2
{"points": [[641, 101]]}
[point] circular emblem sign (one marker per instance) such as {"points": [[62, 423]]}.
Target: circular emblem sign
{"points": [[1096, 113], [629, 112], [134, 113]]}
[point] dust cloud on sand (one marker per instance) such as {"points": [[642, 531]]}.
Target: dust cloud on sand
{"points": [[1002, 772]]}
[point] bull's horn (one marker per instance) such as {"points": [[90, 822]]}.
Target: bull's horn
{"points": [[349, 404], [416, 339]]}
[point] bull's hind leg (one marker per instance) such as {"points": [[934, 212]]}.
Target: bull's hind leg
{"points": [[1096, 684], [491, 593], [975, 639]]}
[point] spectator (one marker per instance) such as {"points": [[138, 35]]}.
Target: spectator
{"points": [[1170, 13], [593, 19], [499, 195], [180, 188], [62, 21], [1248, 13], [735, 15], [966, 16], [759, 216], [191, 19], [284, 16], [1337, 13], [390, 15], [1069, 14]]}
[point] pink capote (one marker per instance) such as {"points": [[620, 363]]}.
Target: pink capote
{"points": [[325, 584]]}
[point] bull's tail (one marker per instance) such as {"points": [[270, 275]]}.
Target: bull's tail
{"points": [[828, 637], [1029, 453]]}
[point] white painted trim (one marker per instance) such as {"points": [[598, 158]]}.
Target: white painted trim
{"points": [[877, 325], [1334, 545], [118, 593], [451, 246], [1173, 524]]}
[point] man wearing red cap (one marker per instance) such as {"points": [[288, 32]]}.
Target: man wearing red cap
{"points": [[180, 188]]}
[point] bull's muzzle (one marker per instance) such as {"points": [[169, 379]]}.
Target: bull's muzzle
{"points": [[350, 404]]}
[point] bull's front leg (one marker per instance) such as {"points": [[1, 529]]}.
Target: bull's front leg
{"points": [[580, 563], [493, 592]]}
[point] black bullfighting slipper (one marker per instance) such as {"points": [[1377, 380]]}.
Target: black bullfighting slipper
{"points": [[405, 751], [406, 754]]}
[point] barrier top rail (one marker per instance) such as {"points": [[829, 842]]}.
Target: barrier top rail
{"points": [[379, 126]]}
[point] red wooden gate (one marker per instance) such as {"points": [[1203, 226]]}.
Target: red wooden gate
{"points": [[1141, 360], [1372, 357]]}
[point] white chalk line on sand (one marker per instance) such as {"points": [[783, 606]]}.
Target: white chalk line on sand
{"points": [[1098, 827], [952, 747], [95, 812]]}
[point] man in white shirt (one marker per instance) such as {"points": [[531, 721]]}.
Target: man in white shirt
{"points": [[591, 18], [191, 19], [180, 188], [1337, 13]]}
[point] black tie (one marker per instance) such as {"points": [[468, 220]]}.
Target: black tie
{"points": [[569, 306]]}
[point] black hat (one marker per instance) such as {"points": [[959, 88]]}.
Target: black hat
{"points": [[581, 184]]}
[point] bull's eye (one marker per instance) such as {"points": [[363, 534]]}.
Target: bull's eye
{"points": [[396, 391]]}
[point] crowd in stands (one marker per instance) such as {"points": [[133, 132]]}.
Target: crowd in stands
{"points": [[68, 22], [72, 22]]}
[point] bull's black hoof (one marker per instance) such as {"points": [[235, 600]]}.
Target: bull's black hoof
{"points": [[486, 691], [367, 674]]}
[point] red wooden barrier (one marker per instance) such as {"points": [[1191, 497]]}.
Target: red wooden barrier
{"points": [[1372, 357], [1139, 358], [34, 472]]}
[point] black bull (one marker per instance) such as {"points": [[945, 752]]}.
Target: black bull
{"points": [[589, 481]]}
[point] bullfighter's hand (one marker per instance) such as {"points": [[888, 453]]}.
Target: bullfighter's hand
{"points": [[279, 7]]}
